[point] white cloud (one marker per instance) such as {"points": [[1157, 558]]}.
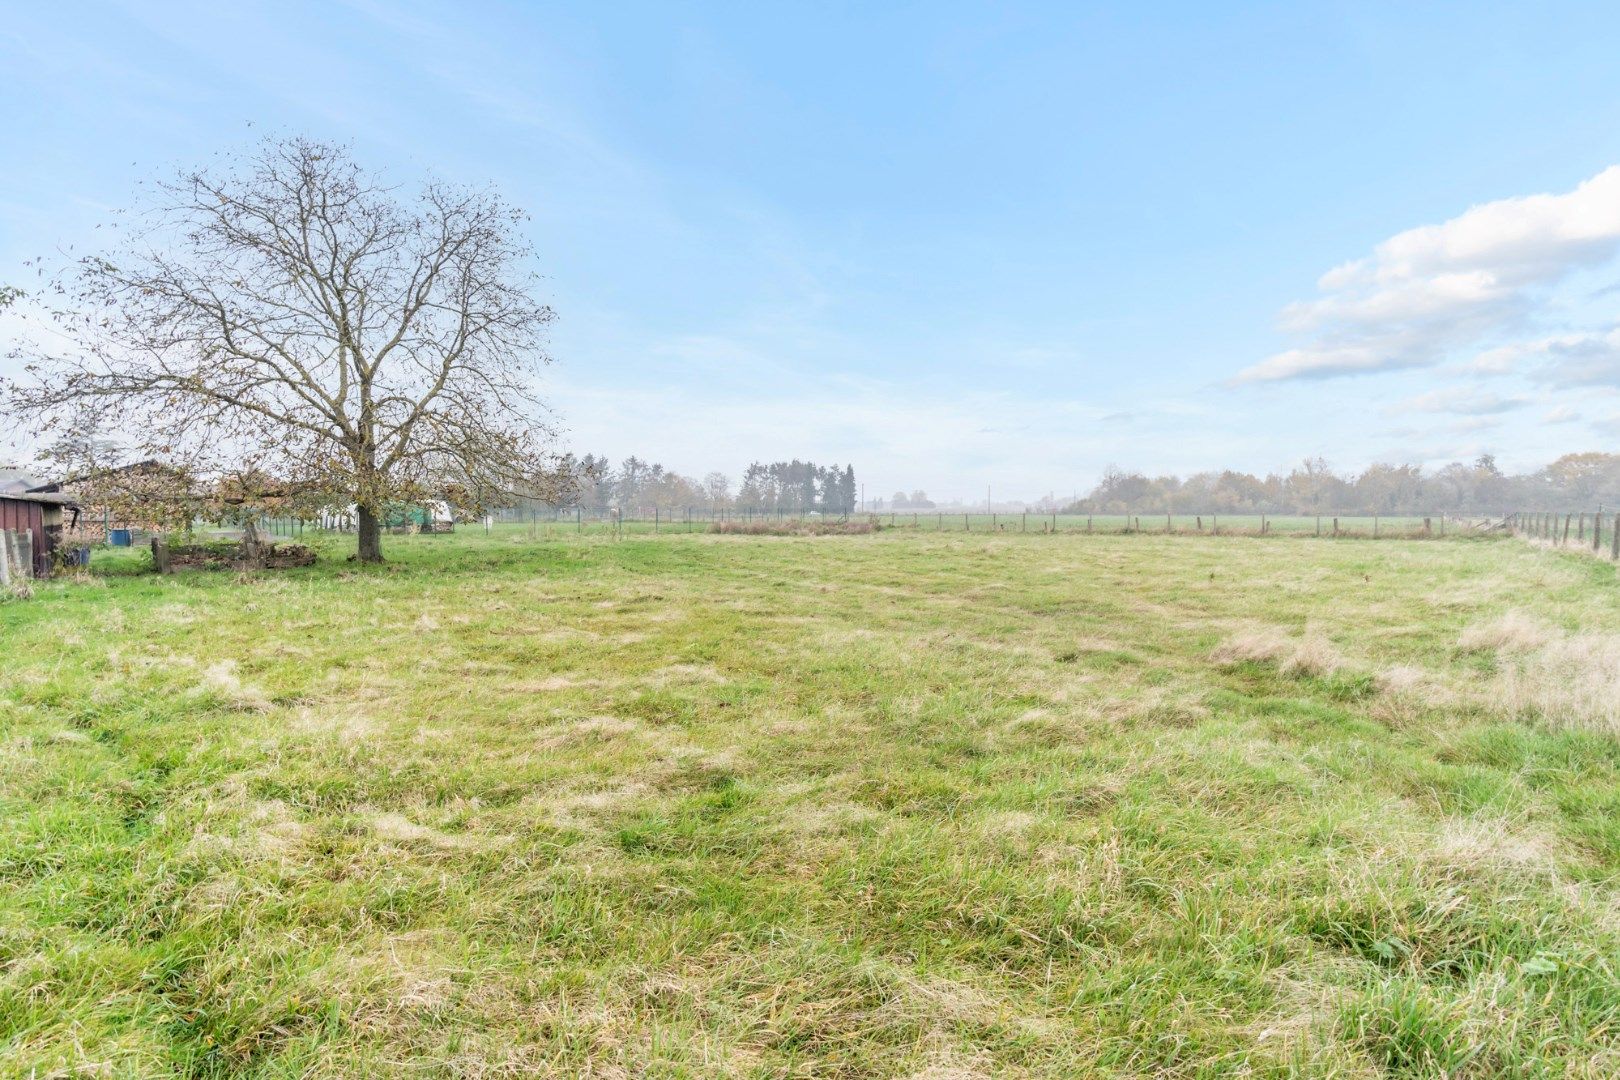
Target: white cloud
{"points": [[1563, 361], [1459, 400], [1560, 414], [1429, 291]]}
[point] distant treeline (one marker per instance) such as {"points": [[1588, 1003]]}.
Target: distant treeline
{"points": [[798, 486], [1574, 481], [636, 485]]}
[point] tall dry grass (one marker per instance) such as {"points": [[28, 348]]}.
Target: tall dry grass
{"points": [[1546, 674], [1514, 632], [1572, 681], [1310, 655]]}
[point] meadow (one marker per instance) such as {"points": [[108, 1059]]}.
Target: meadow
{"points": [[938, 806]]}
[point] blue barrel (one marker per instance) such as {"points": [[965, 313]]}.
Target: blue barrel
{"points": [[118, 537]]}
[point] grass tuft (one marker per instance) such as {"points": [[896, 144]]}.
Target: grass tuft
{"points": [[1311, 655]]}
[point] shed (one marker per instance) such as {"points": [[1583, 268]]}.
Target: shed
{"points": [[40, 516]]}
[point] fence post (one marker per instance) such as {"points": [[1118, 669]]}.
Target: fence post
{"points": [[1335, 526], [1167, 523], [1375, 526], [1318, 524], [1565, 541], [966, 525], [1088, 524]]}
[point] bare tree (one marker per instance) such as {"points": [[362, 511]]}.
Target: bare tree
{"points": [[717, 487], [288, 316]]}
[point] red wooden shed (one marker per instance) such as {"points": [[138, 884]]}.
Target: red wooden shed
{"points": [[40, 516]]}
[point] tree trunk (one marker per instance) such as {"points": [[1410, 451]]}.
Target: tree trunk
{"points": [[369, 526], [252, 550]]}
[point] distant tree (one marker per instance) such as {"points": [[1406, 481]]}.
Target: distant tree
{"points": [[1385, 488], [717, 489], [805, 473], [292, 317], [754, 494]]}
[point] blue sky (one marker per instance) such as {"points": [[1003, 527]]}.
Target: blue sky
{"points": [[956, 244]]}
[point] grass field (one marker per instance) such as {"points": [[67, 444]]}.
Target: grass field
{"points": [[895, 805]]}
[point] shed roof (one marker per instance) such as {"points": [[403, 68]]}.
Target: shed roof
{"points": [[49, 498]]}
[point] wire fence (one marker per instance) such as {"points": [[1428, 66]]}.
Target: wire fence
{"points": [[552, 522], [1597, 531]]}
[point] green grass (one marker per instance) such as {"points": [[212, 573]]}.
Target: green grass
{"points": [[895, 805]]}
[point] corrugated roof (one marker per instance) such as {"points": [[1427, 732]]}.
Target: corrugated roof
{"points": [[49, 498]]}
